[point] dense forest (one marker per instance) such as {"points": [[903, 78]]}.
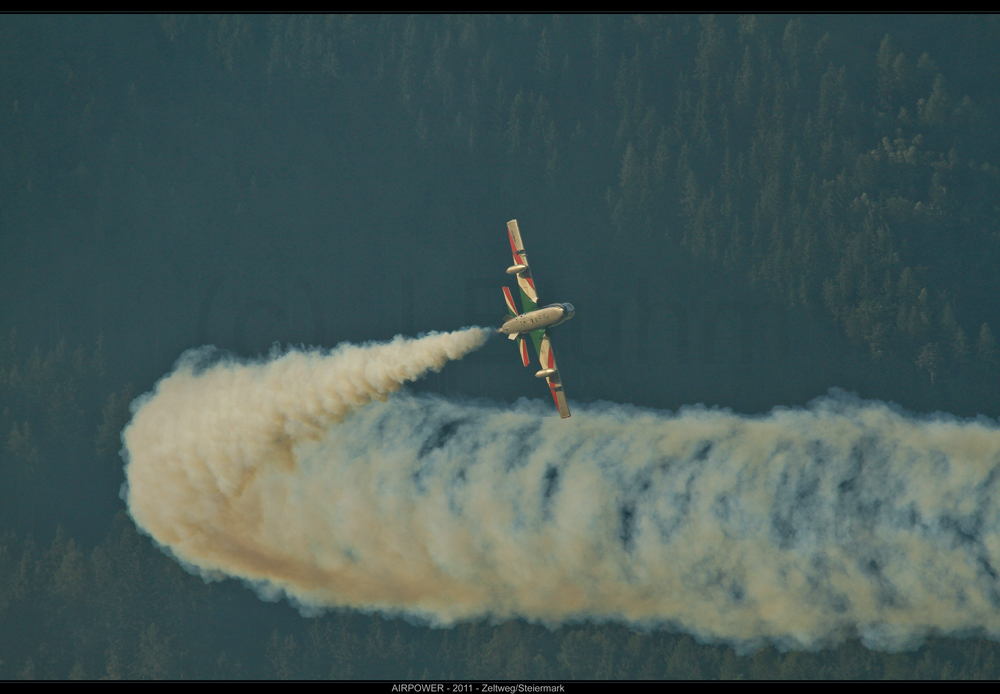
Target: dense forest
{"points": [[840, 172]]}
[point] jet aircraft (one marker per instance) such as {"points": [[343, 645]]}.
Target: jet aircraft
{"points": [[534, 321]]}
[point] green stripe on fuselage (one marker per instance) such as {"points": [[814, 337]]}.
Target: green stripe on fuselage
{"points": [[527, 305]]}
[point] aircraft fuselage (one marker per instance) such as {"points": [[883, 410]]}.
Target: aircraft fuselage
{"points": [[541, 318]]}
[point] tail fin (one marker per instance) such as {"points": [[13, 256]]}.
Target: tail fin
{"points": [[510, 302]]}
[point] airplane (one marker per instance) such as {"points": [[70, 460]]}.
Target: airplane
{"points": [[534, 321]]}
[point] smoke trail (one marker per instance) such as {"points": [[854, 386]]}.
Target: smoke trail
{"points": [[801, 527], [211, 454]]}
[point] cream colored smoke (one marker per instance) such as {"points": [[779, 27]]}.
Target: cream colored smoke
{"points": [[212, 469], [802, 527]]}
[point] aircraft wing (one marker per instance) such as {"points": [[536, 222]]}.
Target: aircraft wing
{"points": [[529, 297], [548, 360]]}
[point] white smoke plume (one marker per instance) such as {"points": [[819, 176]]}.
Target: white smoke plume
{"points": [[802, 527]]}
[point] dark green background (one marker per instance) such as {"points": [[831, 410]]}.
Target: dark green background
{"points": [[745, 212]]}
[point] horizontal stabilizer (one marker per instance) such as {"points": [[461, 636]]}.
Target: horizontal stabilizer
{"points": [[513, 336], [523, 345]]}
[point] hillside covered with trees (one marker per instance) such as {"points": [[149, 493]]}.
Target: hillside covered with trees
{"points": [[839, 170]]}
